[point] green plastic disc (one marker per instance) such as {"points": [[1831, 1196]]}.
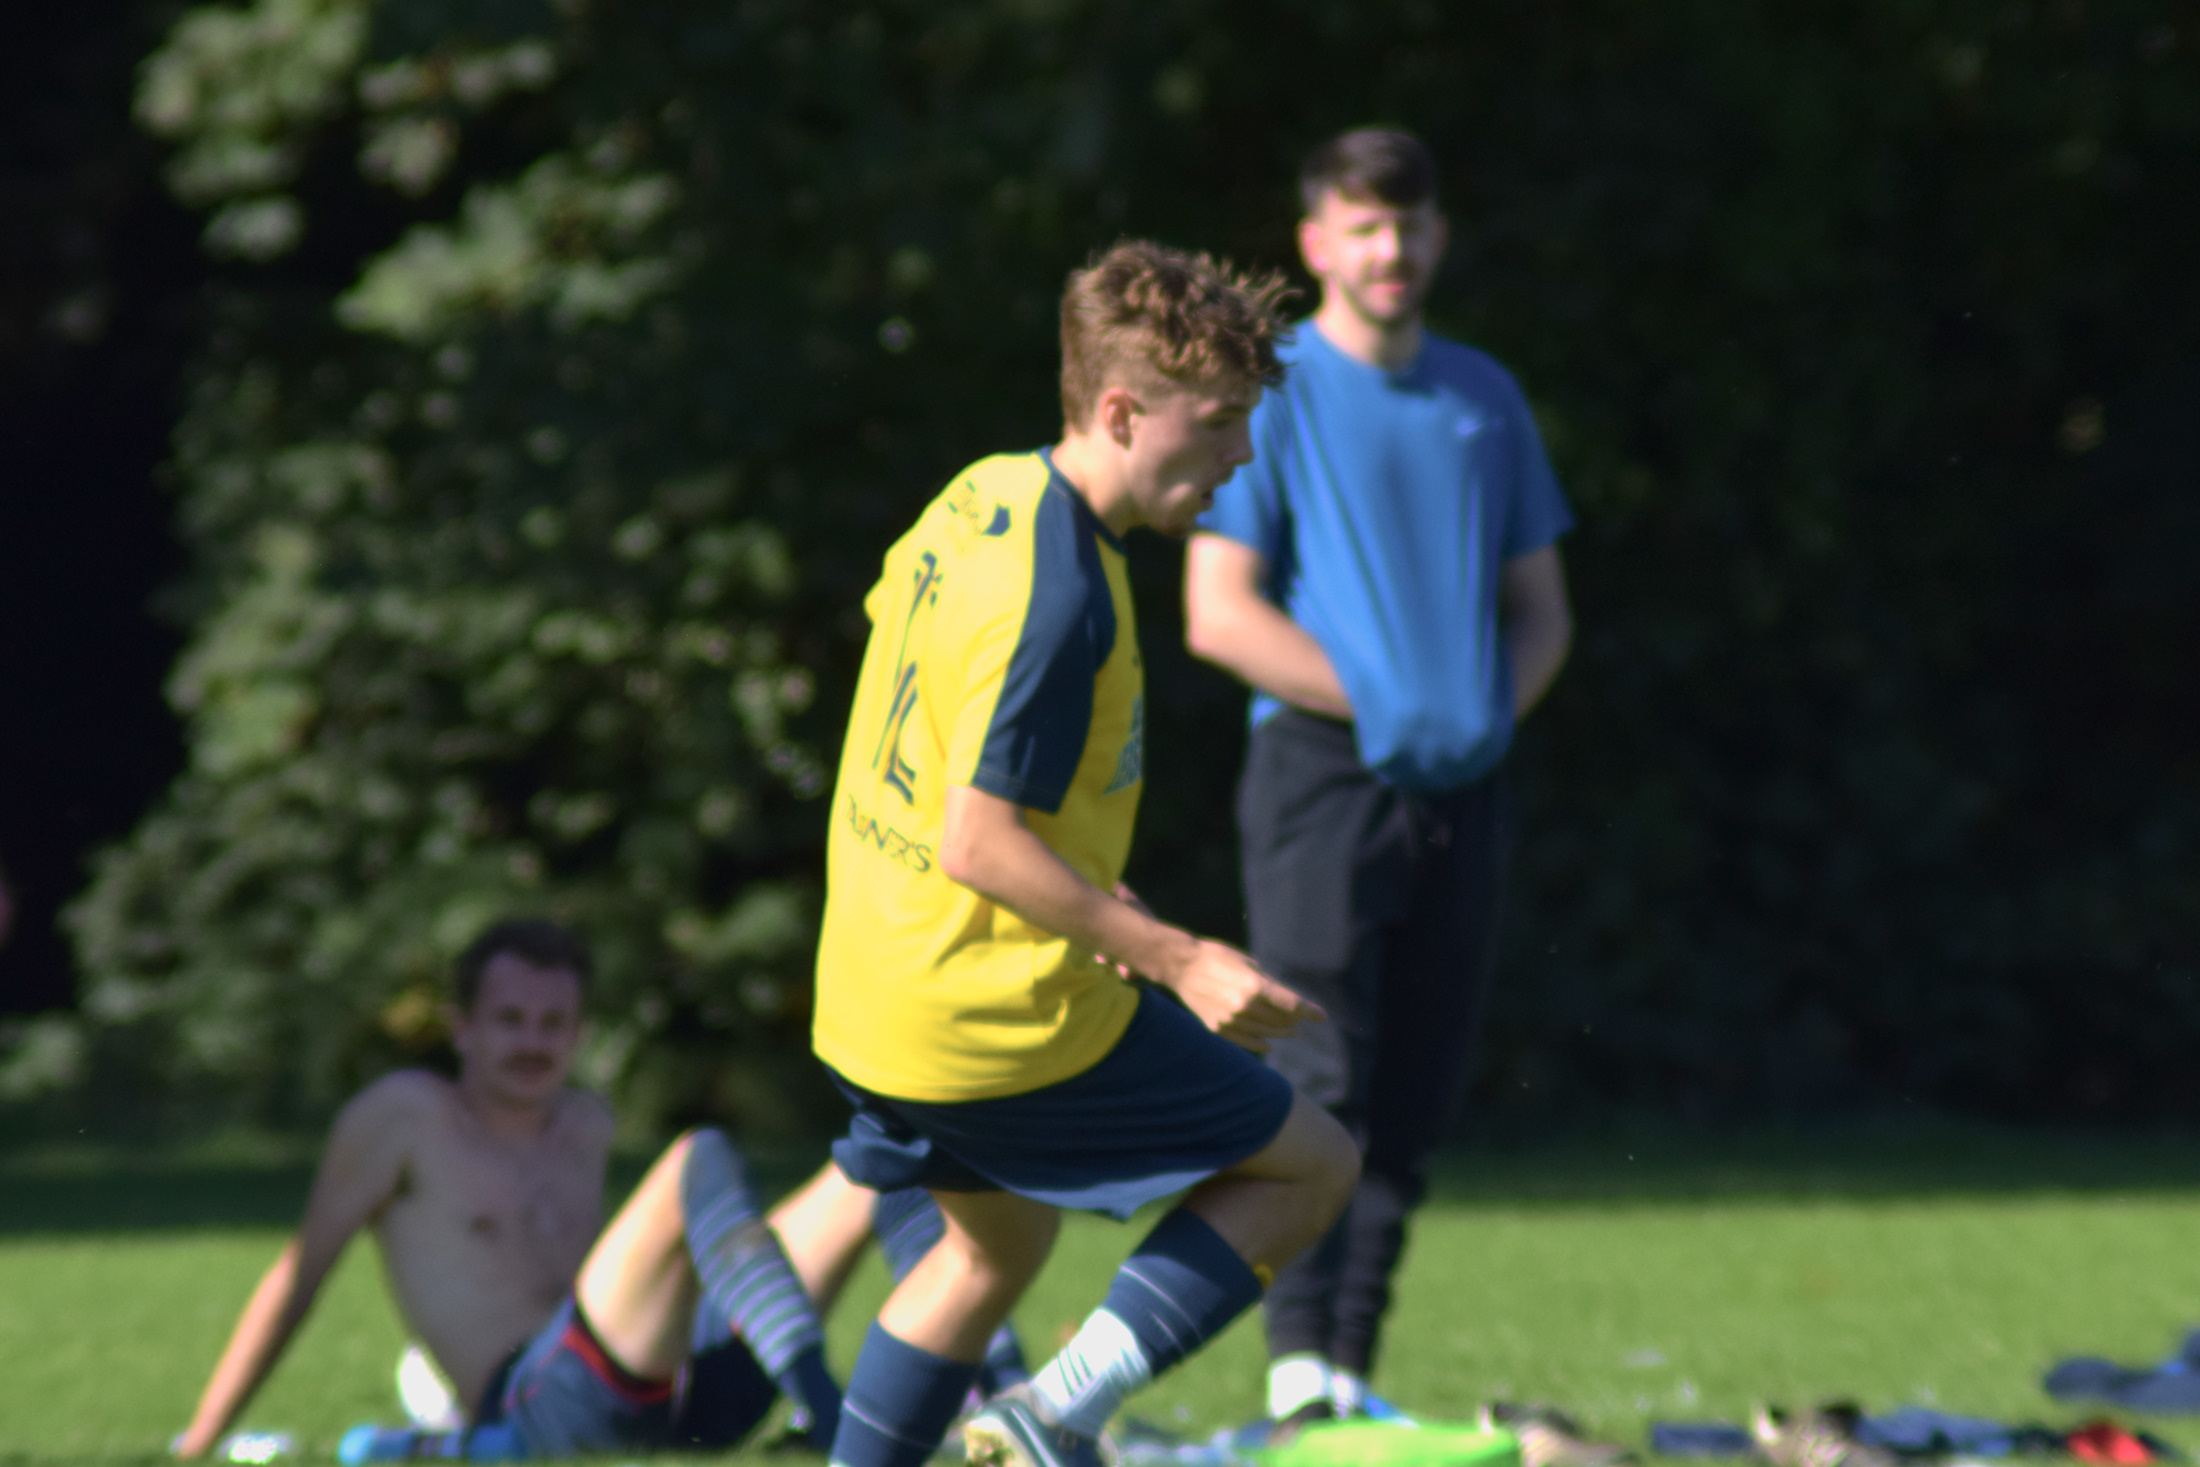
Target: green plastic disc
{"points": [[1388, 1444]]}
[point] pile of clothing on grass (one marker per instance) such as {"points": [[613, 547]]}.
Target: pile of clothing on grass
{"points": [[2167, 1387], [1836, 1434], [1839, 1434]]}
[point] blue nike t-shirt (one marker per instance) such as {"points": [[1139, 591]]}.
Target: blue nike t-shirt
{"points": [[1385, 504]]}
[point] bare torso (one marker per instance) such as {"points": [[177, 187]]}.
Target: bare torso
{"points": [[483, 1235]]}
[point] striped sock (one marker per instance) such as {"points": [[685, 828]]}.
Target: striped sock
{"points": [[746, 1275], [1179, 1290]]}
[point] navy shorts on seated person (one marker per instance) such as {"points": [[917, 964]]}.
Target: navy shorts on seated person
{"points": [[1168, 1107], [561, 1394]]}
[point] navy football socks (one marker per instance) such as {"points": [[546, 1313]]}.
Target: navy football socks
{"points": [[901, 1400], [1004, 1365], [746, 1275], [1181, 1288]]}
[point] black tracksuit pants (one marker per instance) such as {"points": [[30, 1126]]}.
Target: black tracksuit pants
{"points": [[1380, 905]]}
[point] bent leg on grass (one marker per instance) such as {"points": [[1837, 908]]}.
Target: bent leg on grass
{"points": [[637, 1286], [693, 1232]]}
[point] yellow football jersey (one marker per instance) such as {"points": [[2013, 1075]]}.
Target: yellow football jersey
{"points": [[1003, 656]]}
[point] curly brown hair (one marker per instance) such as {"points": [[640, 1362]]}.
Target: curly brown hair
{"points": [[1152, 315]]}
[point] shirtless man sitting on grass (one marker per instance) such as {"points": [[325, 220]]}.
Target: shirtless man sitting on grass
{"points": [[675, 1325]]}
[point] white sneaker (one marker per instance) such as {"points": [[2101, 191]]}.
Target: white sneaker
{"points": [[1295, 1380]]}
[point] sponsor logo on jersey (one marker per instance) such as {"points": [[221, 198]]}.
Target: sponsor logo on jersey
{"points": [[1130, 765]]}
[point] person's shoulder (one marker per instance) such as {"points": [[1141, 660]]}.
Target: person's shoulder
{"points": [[983, 507], [1450, 356], [1301, 355], [1469, 368], [1002, 478], [405, 1091], [1021, 474], [1297, 342], [401, 1104], [1066, 598]]}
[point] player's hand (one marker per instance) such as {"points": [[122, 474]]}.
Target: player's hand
{"points": [[1227, 991]]}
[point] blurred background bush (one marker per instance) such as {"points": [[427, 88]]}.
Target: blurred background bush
{"points": [[554, 372]]}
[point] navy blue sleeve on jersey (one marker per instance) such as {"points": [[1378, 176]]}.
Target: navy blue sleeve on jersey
{"points": [[1044, 715]]}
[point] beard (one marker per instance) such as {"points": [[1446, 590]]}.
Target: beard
{"points": [[1412, 290]]}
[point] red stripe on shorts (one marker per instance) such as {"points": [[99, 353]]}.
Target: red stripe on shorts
{"points": [[581, 1339]]}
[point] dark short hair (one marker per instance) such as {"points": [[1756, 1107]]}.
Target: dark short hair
{"points": [[1379, 165], [534, 941]]}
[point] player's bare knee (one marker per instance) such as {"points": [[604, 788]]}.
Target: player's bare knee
{"points": [[1334, 1166], [661, 1186], [988, 1283], [1017, 1258]]}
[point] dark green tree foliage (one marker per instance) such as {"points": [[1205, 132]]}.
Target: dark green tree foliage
{"points": [[582, 358]]}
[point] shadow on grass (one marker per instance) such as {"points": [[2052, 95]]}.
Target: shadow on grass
{"points": [[225, 1183], [1861, 1163], [94, 1188], [138, 1196]]}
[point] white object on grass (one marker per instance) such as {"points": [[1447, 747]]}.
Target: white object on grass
{"points": [[430, 1401], [256, 1446]]}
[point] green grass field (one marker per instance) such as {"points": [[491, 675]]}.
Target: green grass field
{"points": [[1626, 1281]]}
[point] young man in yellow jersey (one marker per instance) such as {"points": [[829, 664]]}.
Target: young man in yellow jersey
{"points": [[974, 999]]}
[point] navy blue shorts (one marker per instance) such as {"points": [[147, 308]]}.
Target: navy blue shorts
{"points": [[1168, 1107], [562, 1394]]}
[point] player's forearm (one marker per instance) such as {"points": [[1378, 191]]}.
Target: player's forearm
{"points": [[1538, 645], [269, 1319], [988, 849], [1247, 636]]}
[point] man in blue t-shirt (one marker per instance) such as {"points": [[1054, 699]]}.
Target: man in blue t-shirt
{"points": [[1386, 576]]}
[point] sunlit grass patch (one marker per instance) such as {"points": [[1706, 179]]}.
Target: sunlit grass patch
{"points": [[1624, 1292]]}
